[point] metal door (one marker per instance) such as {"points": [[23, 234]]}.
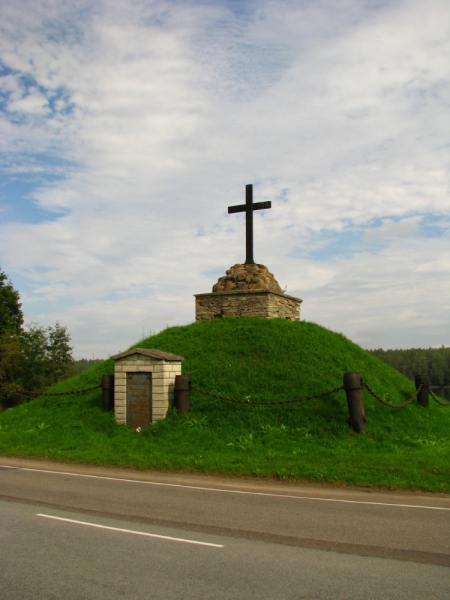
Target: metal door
{"points": [[139, 399]]}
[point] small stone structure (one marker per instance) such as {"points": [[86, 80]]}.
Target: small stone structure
{"points": [[143, 385], [247, 290]]}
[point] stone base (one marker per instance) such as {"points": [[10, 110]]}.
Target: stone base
{"points": [[255, 303]]}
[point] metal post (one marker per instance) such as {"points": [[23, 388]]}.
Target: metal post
{"points": [[249, 225], [353, 388], [182, 394], [422, 396], [108, 392]]}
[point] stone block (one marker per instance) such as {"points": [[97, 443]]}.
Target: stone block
{"points": [[161, 412], [158, 376], [254, 303]]}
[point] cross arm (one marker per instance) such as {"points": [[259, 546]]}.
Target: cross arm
{"points": [[243, 207]]}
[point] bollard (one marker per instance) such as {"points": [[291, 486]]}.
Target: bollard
{"points": [[353, 388], [182, 394], [422, 396], [108, 392]]}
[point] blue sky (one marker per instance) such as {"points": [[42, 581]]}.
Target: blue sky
{"points": [[128, 127]]}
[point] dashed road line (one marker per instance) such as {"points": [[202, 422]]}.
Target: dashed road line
{"points": [[143, 533]]}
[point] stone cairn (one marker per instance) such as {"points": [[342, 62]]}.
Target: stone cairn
{"points": [[247, 277], [247, 290]]}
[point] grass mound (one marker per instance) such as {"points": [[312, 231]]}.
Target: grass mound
{"points": [[258, 360]]}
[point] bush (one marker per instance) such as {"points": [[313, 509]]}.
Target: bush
{"points": [[31, 359]]}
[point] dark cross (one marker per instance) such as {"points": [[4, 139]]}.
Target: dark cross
{"points": [[248, 208]]}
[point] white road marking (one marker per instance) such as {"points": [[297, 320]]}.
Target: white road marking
{"points": [[152, 535], [242, 492]]}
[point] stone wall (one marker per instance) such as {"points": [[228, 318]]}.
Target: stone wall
{"points": [[255, 303]]}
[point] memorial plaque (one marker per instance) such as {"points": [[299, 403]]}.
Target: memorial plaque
{"points": [[139, 399]]}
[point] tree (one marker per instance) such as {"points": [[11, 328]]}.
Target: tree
{"points": [[434, 362], [31, 359], [11, 357], [11, 320], [47, 356], [11, 316], [62, 364]]}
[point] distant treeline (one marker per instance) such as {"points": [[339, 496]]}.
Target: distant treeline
{"points": [[85, 363], [434, 362]]}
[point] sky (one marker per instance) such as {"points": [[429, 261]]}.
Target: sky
{"points": [[127, 127]]}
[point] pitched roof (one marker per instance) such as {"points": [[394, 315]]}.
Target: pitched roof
{"points": [[149, 352]]}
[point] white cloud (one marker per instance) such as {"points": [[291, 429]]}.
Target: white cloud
{"points": [[390, 230], [388, 299], [157, 114], [34, 103]]}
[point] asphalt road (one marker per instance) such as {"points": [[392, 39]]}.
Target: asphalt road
{"points": [[85, 532]]}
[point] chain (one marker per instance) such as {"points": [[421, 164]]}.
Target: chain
{"points": [[196, 389], [442, 386], [377, 397], [438, 401], [25, 393]]}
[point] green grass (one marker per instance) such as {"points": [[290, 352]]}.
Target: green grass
{"points": [[260, 360]]}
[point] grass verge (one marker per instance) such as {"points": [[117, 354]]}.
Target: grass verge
{"points": [[262, 360]]}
